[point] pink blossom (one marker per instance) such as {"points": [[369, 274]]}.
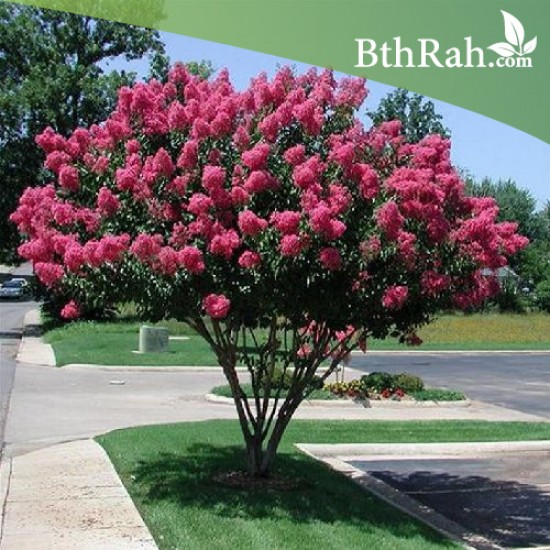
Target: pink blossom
{"points": [[304, 351], [213, 177], [111, 247], [48, 272], [70, 311], [343, 154], [434, 283], [132, 146], [222, 124], [107, 202], [50, 141], [69, 178], [241, 137], [162, 163], [395, 297], [258, 181], [199, 204], [64, 214], [74, 257], [368, 184], [295, 155], [351, 92], [389, 219], [330, 258], [239, 195], [269, 127], [126, 178], [146, 246], [216, 306], [56, 159], [179, 185], [177, 118], [339, 199], [192, 259], [225, 244], [321, 221], [309, 115], [391, 128], [250, 224], [286, 222], [249, 259], [189, 155], [256, 158], [290, 245], [167, 261]]}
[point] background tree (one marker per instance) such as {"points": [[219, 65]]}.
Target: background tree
{"points": [[53, 73], [268, 220], [417, 115], [518, 205]]}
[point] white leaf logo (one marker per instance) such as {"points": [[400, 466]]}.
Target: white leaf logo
{"points": [[515, 35], [503, 49], [513, 29], [530, 46]]}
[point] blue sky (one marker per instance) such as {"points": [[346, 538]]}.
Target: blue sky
{"points": [[482, 146]]}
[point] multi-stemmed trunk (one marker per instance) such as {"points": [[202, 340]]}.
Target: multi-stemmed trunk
{"points": [[265, 415]]}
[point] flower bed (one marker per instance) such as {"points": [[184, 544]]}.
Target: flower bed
{"points": [[380, 386], [377, 386]]}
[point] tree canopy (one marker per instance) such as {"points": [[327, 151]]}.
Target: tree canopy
{"points": [[53, 73], [518, 205], [417, 115]]}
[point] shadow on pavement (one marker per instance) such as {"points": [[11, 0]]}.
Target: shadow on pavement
{"points": [[510, 513]]}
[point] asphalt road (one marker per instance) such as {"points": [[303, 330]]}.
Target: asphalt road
{"points": [[513, 380], [11, 323]]}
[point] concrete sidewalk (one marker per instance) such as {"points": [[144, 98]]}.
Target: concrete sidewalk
{"points": [[68, 497]]}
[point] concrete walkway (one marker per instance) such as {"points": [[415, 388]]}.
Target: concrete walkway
{"points": [[68, 497], [62, 495]]}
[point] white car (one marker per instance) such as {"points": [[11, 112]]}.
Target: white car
{"points": [[14, 288]]}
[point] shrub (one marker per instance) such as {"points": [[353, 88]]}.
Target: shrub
{"points": [[408, 382], [543, 295], [510, 300], [378, 382], [436, 394]]}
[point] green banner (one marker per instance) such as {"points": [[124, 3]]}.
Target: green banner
{"points": [[490, 56]]}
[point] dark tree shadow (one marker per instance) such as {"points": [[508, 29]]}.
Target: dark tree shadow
{"points": [[319, 493], [510, 513]]}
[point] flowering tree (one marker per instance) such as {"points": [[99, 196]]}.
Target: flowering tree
{"points": [[268, 220]]}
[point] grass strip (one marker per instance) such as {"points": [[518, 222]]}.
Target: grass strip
{"points": [[169, 471]]}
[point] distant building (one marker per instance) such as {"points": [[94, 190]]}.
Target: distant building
{"points": [[502, 274]]}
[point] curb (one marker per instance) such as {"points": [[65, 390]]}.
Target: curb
{"points": [[147, 368], [348, 403], [348, 451], [406, 504], [33, 350], [337, 456]]}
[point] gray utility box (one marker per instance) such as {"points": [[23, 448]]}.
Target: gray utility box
{"points": [[153, 339]]}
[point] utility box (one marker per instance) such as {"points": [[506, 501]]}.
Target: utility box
{"points": [[153, 339]]}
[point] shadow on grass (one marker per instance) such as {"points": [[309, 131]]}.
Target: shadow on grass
{"points": [[320, 495]]}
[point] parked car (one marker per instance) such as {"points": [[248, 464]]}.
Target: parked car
{"points": [[15, 289]]}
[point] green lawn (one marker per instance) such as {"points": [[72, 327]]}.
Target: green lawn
{"points": [[168, 471], [113, 343], [495, 331]]}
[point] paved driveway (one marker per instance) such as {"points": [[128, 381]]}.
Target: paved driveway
{"points": [[515, 380]]}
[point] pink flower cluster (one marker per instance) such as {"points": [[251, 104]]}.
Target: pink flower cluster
{"points": [[196, 181]]}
